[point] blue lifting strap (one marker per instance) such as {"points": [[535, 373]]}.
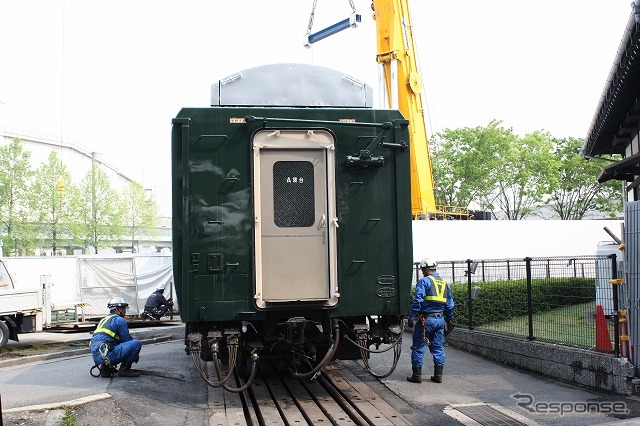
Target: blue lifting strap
{"points": [[351, 22]]}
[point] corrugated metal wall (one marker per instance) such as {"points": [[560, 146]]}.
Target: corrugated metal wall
{"points": [[629, 296]]}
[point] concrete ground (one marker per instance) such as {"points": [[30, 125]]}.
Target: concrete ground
{"points": [[475, 391]]}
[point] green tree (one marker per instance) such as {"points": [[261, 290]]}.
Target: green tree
{"points": [[53, 208], [466, 161], [15, 179], [524, 175], [101, 213], [576, 190], [513, 177], [141, 212]]}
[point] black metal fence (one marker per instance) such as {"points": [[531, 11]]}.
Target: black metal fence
{"points": [[563, 300]]}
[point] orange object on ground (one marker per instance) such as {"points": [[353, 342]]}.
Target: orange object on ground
{"points": [[603, 340]]}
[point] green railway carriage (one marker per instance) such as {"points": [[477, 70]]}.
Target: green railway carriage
{"points": [[291, 220]]}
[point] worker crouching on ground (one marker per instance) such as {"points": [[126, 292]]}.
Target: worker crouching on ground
{"points": [[432, 307], [112, 344], [157, 306]]}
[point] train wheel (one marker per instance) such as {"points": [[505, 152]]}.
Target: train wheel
{"points": [[4, 334]]}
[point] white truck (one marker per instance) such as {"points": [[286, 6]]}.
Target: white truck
{"points": [[20, 309]]}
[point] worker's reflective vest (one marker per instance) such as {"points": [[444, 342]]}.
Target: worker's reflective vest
{"points": [[101, 329], [437, 291]]}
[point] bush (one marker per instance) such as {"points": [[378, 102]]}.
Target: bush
{"points": [[501, 300]]}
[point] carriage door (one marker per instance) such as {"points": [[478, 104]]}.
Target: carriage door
{"points": [[295, 223]]}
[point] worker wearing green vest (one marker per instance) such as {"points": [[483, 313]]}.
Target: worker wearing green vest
{"points": [[431, 309], [112, 344]]}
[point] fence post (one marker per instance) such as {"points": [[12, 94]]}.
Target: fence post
{"points": [[469, 299], [529, 297], [616, 316], [171, 297], [483, 278], [135, 283], [548, 268], [453, 272], [508, 270]]}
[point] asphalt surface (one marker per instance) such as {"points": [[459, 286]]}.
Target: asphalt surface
{"points": [[475, 391], [35, 389]]}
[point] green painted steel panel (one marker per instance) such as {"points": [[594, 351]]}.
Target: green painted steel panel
{"points": [[213, 212]]}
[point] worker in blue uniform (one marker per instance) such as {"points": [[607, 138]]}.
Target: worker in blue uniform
{"points": [[157, 306], [112, 344], [431, 311]]}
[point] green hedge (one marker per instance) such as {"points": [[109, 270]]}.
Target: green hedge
{"points": [[501, 300]]}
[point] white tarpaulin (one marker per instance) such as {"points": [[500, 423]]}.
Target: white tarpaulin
{"points": [[91, 281]]}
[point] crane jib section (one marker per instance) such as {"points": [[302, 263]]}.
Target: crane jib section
{"points": [[403, 86]]}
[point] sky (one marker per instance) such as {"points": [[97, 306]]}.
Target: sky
{"points": [[110, 76]]}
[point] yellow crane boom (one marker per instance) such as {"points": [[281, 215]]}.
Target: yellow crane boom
{"points": [[396, 54]]}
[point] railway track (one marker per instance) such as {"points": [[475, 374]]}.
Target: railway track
{"points": [[336, 397]]}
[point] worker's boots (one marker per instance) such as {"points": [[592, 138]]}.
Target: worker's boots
{"points": [[126, 371], [437, 373], [107, 371], [147, 316], [416, 377]]}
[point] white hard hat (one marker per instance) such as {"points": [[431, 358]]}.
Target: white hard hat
{"points": [[428, 263], [160, 287], [117, 302]]}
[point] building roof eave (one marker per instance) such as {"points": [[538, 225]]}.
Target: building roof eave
{"points": [[618, 115]]}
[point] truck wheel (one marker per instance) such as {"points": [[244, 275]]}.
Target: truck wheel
{"points": [[4, 334]]}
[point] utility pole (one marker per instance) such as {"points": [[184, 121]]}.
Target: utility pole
{"points": [[54, 225], [93, 201], [57, 202]]}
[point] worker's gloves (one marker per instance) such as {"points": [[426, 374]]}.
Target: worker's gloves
{"points": [[448, 328], [410, 322]]}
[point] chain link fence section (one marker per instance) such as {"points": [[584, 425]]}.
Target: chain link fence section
{"points": [[103, 279], [551, 299]]}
